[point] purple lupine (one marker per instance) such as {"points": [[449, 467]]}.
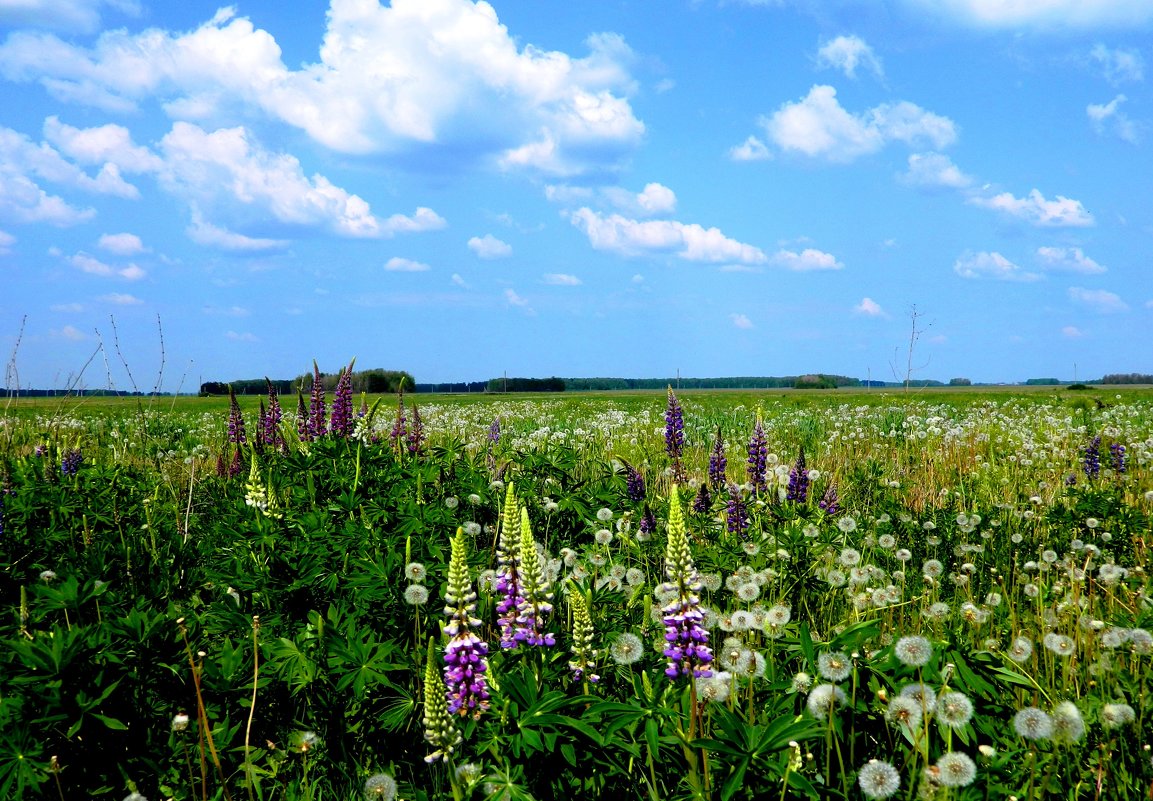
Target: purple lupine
{"points": [[261, 420], [718, 463], [674, 431], [494, 431], [317, 413], [536, 595], [399, 432], [508, 581], [798, 490], [634, 484], [1091, 458], [303, 430], [466, 655], [686, 638], [829, 501], [758, 454], [236, 432], [341, 423], [737, 513], [70, 462], [648, 524], [416, 433], [272, 436], [702, 501], [1118, 457]]}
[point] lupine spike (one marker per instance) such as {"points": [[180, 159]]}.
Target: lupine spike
{"points": [[303, 429], [737, 513], [536, 596], [341, 423], [466, 655], [439, 729], [687, 639], [508, 582], [758, 453], [317, 413], [583, 662], [236, 431], [674, 431], [416, 433], [798, 490], [272, 436], [718, 463]]}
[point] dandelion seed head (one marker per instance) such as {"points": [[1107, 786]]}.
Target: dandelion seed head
{"points": [[956, 769]]}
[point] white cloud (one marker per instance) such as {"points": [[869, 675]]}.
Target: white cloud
{"points": [[22, 200], [93, 266], [752, 149], [121, 244], [1035, 209], [819, 127], [231, 311], [104, 144], [869, 308], [1099, 300], [395, 77], [561, 279], [513, 299], [81, 16], [489, 247], [1045, 14], [655, 200], [1119, 65], [70, 332], [689, 241], [1109, 116], [121, 299], [67, 308], [741, 321], [808, 260], [1072, 332], [398, 264], [993, 266], [6, 242], [934, 171], [460, 282], [846, 53], [423, 219], [1069, 260], [241, 336], [205, 233]]}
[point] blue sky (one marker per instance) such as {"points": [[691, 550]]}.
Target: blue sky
{"points": [[632, 188]]}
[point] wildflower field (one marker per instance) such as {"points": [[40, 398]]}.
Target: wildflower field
{"points": [[712, 595]]}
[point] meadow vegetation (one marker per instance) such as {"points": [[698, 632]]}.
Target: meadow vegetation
{"points": [[818, 595]]}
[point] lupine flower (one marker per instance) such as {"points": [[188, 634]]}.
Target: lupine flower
{"points": [[758, 454], [648, 524], [303, 429], [466, 655], [256, 495], [508, 582], [261, 416], [1091, 458], [702, 501], [1118, 458], [634, 484], [798, 490], [236, 431], [439, 729], [416, 433], [317, 412], [341, 423], [737, 513], [687, 640], [674, 431], [536, 595], [583, 662], [399, 433], [828, 503], [718, 463], [70, 463]]}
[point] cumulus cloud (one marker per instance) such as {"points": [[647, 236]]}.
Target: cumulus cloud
{"points": [[69, 332], [205, 233], [1036, 210], [401, 265], [513, 299], [6, 242], [752, 149], [869, 308], [1099, 300], [847, 53], [79, 16], [1072, 332], [818, 126], [121, 299], [121, 244], [457, 280], [689, 241], [741, 321], [404, 76], [808, 260], [103, 144], [489, 247], [86, 263], [1108, 117], [241, 336], [1044, 14], [1068, 260], [992, 266], [934, 171], [1120, 64], [561, 279]]}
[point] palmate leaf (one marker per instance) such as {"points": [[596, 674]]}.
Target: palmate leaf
{"points": [[754, 747]]}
